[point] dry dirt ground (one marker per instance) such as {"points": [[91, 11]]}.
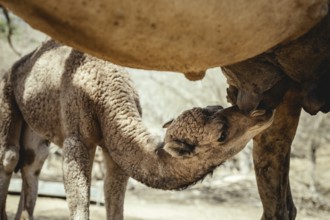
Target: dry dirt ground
{"points": [[227, 195], [140, 209], [232, 198]]}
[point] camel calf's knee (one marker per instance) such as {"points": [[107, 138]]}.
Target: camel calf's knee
{"points": [[10, 159]]}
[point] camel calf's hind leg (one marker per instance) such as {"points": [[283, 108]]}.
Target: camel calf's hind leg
{"points": [[271, 156], [10, 129], [8, 160], [33, 154], [115, 183], [77, 167]]}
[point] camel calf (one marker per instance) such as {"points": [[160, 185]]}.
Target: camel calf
{"points": [[76, 101]]}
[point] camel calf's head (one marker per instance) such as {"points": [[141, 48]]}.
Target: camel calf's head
{"points": [[213, 130]]}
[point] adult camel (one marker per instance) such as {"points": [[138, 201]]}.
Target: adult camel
{"points": [[187, 36]]}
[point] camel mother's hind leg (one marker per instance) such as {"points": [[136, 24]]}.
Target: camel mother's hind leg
{"points": [[10, 128], [77, 167], [271, 156], [33, 153], [115, 183]]}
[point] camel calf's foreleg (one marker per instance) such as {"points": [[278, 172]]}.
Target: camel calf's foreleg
{"points": [[115, 182], [271, 155], [34, 152], [77, 167]]}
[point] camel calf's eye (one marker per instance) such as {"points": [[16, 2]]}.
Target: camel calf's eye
{"points": [[223, 137]]}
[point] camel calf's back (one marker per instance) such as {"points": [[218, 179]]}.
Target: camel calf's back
{"points": [[68, 89]]}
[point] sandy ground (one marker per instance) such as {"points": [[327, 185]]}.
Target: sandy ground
{"points": [[141, 209], [232, 198], [137, 209]]}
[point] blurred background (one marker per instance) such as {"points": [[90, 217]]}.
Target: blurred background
{"points": [[230, 193]]}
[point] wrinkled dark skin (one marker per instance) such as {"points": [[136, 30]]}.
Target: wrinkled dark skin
{"points": [[264, 79], [288, 78]]}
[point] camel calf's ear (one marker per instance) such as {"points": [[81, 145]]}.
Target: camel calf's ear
{"points": [[214, 107], [178, 149], [168, 124], [211, 109]]}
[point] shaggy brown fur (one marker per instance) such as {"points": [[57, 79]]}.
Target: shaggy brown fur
{"points": [[79, 102]]}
